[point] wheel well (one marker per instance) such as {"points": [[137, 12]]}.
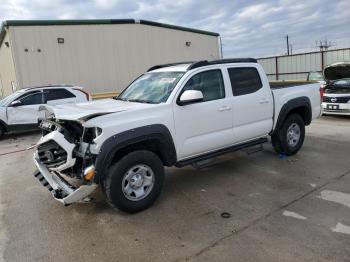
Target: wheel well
{"points": [[153, 145], [303, 111]]}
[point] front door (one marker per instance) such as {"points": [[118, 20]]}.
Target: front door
{"points": [[26, 110], [204, 126]]}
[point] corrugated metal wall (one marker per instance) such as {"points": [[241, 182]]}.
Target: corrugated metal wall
{"points": [[7, 68], [296, 67], [102, 57]]}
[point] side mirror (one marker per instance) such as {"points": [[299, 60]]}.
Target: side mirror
{"points": [[190, 97], [15, 103]]}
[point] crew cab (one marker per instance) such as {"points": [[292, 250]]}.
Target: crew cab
{"points": [[172, 115], [336, 98], [19, 111]]}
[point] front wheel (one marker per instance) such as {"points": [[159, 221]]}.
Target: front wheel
{"points": [[290, 137], [134, 182], [2, 131]]}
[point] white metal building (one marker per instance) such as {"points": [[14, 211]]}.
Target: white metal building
{"points": [[297, 66], [100, 55]]}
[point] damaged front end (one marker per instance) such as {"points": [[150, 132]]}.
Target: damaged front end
{"points": [[65, 158]]}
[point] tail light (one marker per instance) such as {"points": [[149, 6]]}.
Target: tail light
{"points": [[321, 92], [88, 96]]}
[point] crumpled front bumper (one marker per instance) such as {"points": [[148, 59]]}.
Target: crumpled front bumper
{"points": [[61, 190]]}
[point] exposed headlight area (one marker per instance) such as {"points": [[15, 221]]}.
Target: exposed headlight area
{"points": [[76, 134], [91, 133]]}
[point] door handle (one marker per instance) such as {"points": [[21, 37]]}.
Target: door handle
{"points": [[263, 101], [224, 108]]}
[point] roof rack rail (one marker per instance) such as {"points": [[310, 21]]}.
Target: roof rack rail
{"points": [[166, 65], [221, 61], [53, 85]]}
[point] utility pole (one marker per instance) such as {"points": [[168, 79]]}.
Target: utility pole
{"points": [[287, 37], [323, 45]]}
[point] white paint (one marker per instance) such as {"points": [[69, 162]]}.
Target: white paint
{"points": [[334, 196], [293, 214], [340, 228], [313, 185]]}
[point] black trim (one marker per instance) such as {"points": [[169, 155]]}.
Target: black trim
{"points": [[22, 127], [134, 136], [299, 102], [221, 61], [202, 63], [221, 152]]}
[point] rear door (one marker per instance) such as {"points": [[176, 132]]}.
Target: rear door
{"points": [[27, 111], [59, 96], [204, 126], [252, 103]]}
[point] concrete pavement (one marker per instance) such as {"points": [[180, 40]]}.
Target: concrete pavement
{"points": [[293, 209]]}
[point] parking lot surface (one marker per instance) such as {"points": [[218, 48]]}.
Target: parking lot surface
{"points": [[280, 209]]}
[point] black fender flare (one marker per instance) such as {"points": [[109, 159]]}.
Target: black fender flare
{"points": [[133, 136], [294, 104]]}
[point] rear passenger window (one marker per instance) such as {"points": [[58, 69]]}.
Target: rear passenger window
{"points": [[56, 94], [244, 80], [209, 82]]}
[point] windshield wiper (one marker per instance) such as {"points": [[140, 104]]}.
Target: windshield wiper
{"points": [[141, 101], [119, 98], [134, 100]]}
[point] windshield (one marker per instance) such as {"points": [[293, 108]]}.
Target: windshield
{"points": [[315, 76], [151, 87], [5, 101]]}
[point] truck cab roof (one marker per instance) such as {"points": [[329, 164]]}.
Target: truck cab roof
{"points": [[186, 66]]}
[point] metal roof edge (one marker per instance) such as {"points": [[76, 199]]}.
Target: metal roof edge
{"points": [[8, 23]]}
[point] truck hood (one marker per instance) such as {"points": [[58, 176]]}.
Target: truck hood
{"points": [[88, 110], [337, 71]]}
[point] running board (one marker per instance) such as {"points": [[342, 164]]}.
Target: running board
{"points": [[234, 148]]}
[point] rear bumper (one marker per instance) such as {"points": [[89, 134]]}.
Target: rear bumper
{"points": [[61, 190], [344, 109]]}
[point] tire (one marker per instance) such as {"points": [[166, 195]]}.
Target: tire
{"points": [[290, 137], [141, 174], [2, 131]]}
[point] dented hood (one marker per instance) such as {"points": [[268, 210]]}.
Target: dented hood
{"points": [[88, 110], [337, 71]]}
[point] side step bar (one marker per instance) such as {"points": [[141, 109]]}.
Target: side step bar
{"points": [[221, 152]]}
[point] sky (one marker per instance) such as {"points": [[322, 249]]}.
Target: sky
{"points": [[247, 27]]}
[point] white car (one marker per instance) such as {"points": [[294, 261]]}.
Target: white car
{"points": [[336, 98], [19, 111], [173, 115]]}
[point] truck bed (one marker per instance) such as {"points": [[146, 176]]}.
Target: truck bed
{"points": [[286, 91]]}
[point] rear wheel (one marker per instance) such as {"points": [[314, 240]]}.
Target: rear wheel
{"points": [[135, 181], [290, 137]]}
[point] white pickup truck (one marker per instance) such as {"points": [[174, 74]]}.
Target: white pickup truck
{"points": [[173, 115]]}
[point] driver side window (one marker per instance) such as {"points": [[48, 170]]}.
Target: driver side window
{"points": [[210, 83]]}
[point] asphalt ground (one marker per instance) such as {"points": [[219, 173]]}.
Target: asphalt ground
{"points": [[279, 209]]}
